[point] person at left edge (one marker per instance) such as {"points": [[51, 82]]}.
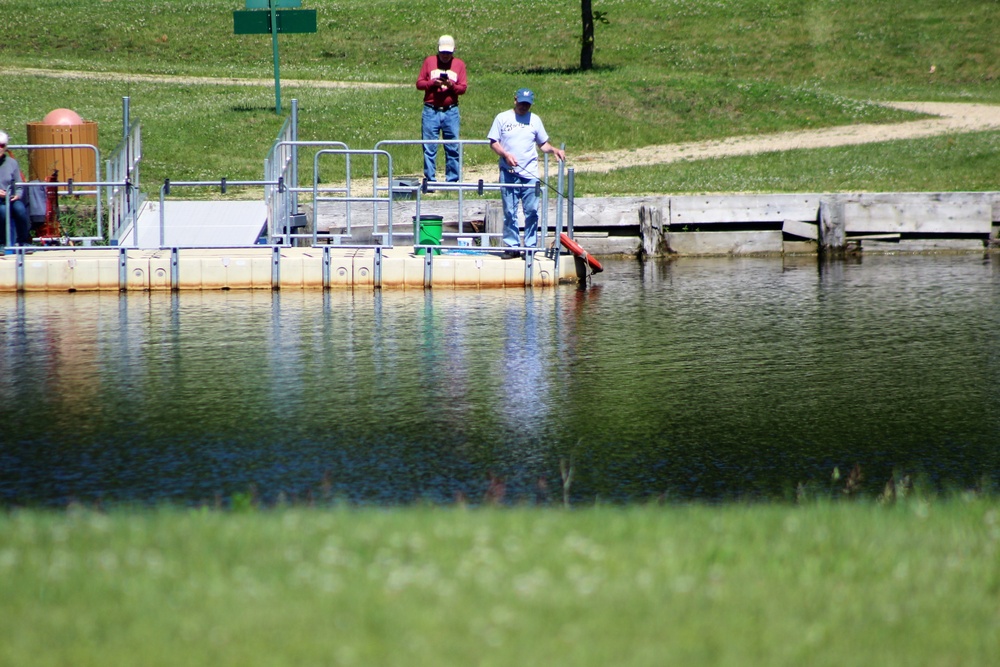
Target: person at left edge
{"points": [[20, 231], [442, 78]]}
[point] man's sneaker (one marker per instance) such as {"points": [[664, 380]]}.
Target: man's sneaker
{"points": [[511, 254]]}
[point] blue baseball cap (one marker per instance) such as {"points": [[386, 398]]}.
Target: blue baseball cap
{"points": [[525, 95]]}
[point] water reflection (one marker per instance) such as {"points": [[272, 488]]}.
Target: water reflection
{"points": [[703, 378], [525, 387]]}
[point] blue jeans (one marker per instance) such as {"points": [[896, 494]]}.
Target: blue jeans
{"points": [[444, 123], [20, 229], [529, 202]]}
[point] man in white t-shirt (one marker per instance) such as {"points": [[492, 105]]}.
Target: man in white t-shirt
{"points": [[516, 136]]}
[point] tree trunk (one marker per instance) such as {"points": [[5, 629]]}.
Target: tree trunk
{"points": [[587, 43]]}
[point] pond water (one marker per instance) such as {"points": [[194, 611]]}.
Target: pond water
{"points": [[698, 379]]}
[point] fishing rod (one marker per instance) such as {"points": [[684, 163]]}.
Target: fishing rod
{"points": [[526, 174]]}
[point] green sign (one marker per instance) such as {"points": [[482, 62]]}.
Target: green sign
{"points": [[251, 23], [274, 21], [286, 20], [296, 20]]}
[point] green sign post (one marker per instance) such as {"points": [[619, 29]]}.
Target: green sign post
{"points": [[279, 17]]}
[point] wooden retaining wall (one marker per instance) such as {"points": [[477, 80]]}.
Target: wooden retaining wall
{"points": [[741, 224], [788, 223]]}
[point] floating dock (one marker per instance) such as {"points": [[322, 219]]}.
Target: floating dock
{"points": [[275, 267]]}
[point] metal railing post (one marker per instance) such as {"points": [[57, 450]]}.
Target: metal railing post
{"points": [[529, 268], [294, 167], [175, 277], [6, 227], [560, 200], [326, 267], [164, 190], [122, 269], [275, 268], [19, 258], [570, 203], [543, 204]]}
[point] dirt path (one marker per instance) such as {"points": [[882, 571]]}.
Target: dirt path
{"points": [[192, 80], [949, 118]]}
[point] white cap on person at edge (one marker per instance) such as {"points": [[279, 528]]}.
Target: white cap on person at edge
{"points": [[446, 44]]}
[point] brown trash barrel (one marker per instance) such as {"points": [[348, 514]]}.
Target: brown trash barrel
{"points": [[63, 126]]}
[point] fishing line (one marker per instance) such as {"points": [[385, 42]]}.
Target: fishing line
{"points": [[591, 271], [553, 189]]}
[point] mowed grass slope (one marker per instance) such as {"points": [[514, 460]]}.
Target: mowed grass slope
{"points": [[667, 71], [789, 41], [848, 583]]}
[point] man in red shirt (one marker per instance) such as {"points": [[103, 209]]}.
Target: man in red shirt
{"points": [[442, 78]]}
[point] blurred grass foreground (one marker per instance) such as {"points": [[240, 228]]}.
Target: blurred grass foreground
{"points": [[914, 582]]}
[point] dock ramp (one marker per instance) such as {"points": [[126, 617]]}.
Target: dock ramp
{"points": [[197, 224]]}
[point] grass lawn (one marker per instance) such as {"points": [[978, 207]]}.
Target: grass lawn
{"points": [[825, 583], [666, 71]]}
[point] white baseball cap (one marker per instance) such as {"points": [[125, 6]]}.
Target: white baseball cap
{"points": [[446, 44]]}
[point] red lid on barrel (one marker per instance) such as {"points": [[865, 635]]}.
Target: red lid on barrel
{"points": [[62, 117]]}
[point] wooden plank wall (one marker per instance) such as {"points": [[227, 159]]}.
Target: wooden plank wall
{"points": [[709, 209], [613, 224], [952, 213], [872, 216], [919, 213]]}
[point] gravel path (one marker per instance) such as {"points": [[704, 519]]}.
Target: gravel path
{"points": [[950, 118]]}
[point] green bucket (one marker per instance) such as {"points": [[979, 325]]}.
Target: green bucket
{"points": [[427, 231]]}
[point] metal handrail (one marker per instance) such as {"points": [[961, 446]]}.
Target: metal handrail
{"points": [[123, 167], [436, 142], [223, 184], [71, 186], [462, 143], [281, 163], [293, 187], [97, 166], [374, 199]]}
